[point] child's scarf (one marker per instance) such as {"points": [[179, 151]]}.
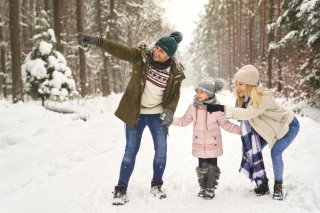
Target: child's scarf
{"points": [[252, 161]]}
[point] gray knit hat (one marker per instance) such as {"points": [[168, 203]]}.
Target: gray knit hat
{"points": [[248, 74], [211, 86]]}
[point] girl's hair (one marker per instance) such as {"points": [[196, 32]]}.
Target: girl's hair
{"points": [[255, 94]]}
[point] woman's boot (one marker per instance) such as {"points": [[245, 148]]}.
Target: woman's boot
{"points": [[277, 190], [263, 188]]}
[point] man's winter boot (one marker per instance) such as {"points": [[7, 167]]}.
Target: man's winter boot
{"points": [[156, 189], [202, 180], [277, 191], [263, 188], [212, 182], [120, 195]]}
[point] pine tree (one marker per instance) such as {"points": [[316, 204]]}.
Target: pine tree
{"points": [[301, 21], [45, 72]]}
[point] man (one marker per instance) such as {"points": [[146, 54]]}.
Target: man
{"points": [[150, 99]]}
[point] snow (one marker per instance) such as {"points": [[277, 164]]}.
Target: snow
{"points": [[52, 35], [308, 5], [51, 162], [313, 38], [45, 48], [37, 68]]}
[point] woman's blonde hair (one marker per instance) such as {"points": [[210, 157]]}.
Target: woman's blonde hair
{"points": [[255, 94]]}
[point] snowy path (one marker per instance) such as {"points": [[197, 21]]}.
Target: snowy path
{"points": [[57, 163]]}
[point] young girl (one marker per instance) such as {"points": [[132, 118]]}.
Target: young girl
{"points": [[207, 141], [263, 121]]}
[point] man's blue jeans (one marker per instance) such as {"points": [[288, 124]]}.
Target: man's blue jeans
{"points": [[279, 147], [133, 135]]}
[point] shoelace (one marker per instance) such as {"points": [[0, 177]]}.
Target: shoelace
{"points": [[118, 194]]}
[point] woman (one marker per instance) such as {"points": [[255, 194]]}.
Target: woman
{"points": [[263, 121]]}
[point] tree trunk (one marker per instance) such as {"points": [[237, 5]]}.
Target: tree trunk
{"points": [[263, 30], [112, 34], [46, 5], [270, 39], [57, 23], [63, 35], [278, 37], [229, 44], [239, 33], [219, 48], [82, 57], [14, 14], [104, 75], [251, 30], [234, 43], [3, 70]]}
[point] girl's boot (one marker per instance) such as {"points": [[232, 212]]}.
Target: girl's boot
{"points": [[212, 182], [202, 179]]}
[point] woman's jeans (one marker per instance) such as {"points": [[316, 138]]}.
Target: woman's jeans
{"points": [[133, 135], [279, 147]]}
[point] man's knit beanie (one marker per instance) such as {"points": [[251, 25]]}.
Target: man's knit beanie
{"points": [[211, 86], [170, 43], [248, 74]]}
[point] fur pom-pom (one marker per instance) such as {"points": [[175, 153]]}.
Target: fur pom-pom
{"points": [[177, 36], [219, 84]]}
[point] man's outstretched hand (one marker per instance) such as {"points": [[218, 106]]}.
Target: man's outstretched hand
{"points": [[86, 40], [214, 108]]}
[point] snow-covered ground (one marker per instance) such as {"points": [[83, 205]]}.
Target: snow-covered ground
{"points": [[59, 163]]}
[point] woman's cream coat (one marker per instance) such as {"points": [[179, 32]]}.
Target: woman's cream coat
{"points": [[271, 121]]}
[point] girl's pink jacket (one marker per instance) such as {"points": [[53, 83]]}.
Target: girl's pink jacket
{"points": [[207, 141]]}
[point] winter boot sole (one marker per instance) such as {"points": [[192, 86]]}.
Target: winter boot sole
{"points": [[261, 194], [119, 201], [277, 197], [201, 193], [160, 196], [208, 194], [208, 197], [158, 193]]}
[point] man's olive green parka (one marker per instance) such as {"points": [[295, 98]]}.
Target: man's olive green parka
{"points": [[129, 106]]}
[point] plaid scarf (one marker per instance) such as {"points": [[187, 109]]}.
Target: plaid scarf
{"points": [[252, 161]]}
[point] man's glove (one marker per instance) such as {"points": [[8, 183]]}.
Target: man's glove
{"points": [[166, 117], [214, 108], [86, 40]]}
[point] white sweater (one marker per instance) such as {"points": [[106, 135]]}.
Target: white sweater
{"points": [[152, 97]]}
